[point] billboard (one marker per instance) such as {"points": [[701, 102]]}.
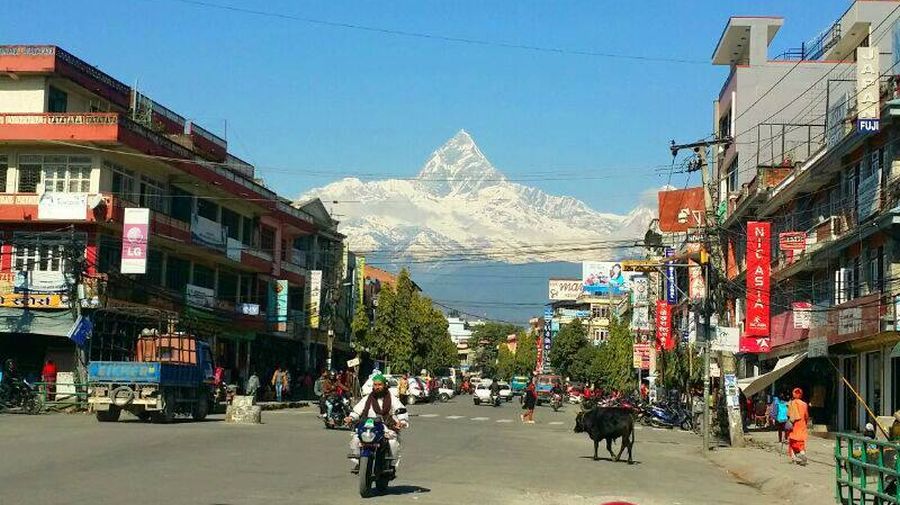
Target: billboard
{"points": [[315, 297], [640, 318], [605, 278], [726, 339], [681, 209], [757, 327], [640, 290], [564, 289], [135, 232], [640, 356]]}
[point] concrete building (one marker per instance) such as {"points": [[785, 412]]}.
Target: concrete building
{"points": [[805, 166], [594, 312], [226, 257]]}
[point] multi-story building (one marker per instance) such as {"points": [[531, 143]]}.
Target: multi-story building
{"points": [[594, 311], [804, 165], [226, 257]]}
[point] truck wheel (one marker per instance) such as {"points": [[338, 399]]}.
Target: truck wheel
{"points": [[108, 416], [201, 408], [143, 415]]}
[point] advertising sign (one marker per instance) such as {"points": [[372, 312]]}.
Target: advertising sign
{"points": [[802, 315], [867, 88], [758, 284], [81, 331], [640, 290], [278, 304], [640, 356], [197, 296], [671, 279], [792, 241], [640, 318], [208, 232], [135, 233], [315, 297], [849, 320], [697, 283], [565, 289], [732, 396], [726, 339], [605, 277], [58, 205], [248, 309], [233, 249], [681, 209], [361, 278], [664, 338], [42, 282]]}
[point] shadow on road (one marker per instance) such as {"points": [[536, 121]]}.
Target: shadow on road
{"points": [[611, 460], [401, 490]]}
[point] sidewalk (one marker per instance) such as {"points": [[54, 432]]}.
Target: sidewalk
{"points": [[764, 465]]}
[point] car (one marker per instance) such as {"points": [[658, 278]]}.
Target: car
{"points": [[482, 394], [518, 384], [544, 384], [505, 391], [446, 391]]}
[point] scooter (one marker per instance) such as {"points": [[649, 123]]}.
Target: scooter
{"points": [[495, 399], [556, 402], [661, 416]]}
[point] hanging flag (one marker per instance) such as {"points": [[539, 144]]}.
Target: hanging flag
{"points": [[757, 328], [664, 340]]}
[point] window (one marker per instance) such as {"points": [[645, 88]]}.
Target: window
{"points": [[207, 209], [4, 166], [843, 279], [110, 257], [29, 173], [154, 275], [231, 220], [61, 173], [48, 253], [177, 271], [122, 181], [247, 292], [876, 269], [599, 311], [204, 277], [182, 205], [247, 232], [857, 278], [228, 286], [733, 176], [153, 194], [600, 335], [267, 239], [57, 100]]}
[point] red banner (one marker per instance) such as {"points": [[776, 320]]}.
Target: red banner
{"points": [[757, 327], [664, 338]]}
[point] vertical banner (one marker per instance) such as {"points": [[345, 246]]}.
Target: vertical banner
{"points": [[134, 241], [696, 282], [361, 273], [664, 340], [671, 280], [278, 304], [315, 297], [759, 254]]}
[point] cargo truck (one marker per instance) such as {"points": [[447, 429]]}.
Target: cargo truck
{"points": [[169, 375]]}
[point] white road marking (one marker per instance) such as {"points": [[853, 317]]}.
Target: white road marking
{"points": [[480, 418], [555, 422], [455, 417], [504, 420], [428, 415]]}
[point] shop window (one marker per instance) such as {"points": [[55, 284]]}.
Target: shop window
{"points": [[57, 100], [182, 205], [4, 167], [231, 220], [177, 272], [204, 276], [153, 194], [207, 209], [122, 181]]}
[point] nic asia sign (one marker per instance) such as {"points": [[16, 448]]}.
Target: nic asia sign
{"points": [[757, 327]]}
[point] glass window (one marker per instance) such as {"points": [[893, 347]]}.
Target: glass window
{"points": [[247, 292], [295, 298], [267, 239], [204, 276], [182, 205], [228, 286], [47, 254], [247, 232], [153, 194], [61, 173], [122, 182], [177, 271], [110, 257], [733, 176], [57, 100], [231, 220], [4, 166], [207, 209], [153, 276]]}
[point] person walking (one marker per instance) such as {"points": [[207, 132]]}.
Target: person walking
{"points": [[798, 415], [286, 384], [530, 400], [780, 415], [278, 382], [403, 388], [252, 385], [48, 375]]}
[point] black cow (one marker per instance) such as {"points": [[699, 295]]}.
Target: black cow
{"points": [[607, 423]]}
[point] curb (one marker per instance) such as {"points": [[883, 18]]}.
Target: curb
{"points": [[283, 405]]}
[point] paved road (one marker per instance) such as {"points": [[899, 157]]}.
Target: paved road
{"points": [[453, 453]]}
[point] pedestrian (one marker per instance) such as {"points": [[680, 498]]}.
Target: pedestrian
{"points": [[286, 384], [48, 376], [798, 416], [403, 388], [780, 415], [530, 400], [278, 382], [319, 391], [253, 385]]}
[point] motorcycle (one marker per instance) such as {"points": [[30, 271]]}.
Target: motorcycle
{"points": [[495, 399], [20, 395], [556, 402], [340, 409], [374, 457], [662, 416]]}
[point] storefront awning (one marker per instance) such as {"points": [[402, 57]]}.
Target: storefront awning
{"points": [[206, 322], [55, 323], [752, 385]]}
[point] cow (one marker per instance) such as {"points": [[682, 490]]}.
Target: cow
{"points": [[607, 423]]}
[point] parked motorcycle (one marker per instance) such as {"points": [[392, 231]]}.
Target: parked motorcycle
{"points": [[22, 396], [669, 416], [340, 409], [374, 457], [556, 402]]}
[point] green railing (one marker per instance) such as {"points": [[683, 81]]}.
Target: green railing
{"points": [[52, 398], [866, 471]]}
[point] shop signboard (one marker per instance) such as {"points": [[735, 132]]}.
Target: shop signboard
{"points": [[209, 233], [802, 315], [197, 296], [726, 339], [664, 338], [640, 291], [565, 289], [640, 356], [680, 209], [81, 331], [57, 205], [53, 281], [818, 347], [640, 318], [849, 320], [792, 241], [248, 309], [671, 279], [732, 396], [867, 85], [757, 327], [135, 235], [697, 283], [315, 298]]}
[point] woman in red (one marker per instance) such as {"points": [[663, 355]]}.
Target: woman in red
{"points": [[48, 376]]}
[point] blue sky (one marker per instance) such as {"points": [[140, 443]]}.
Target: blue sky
{"points": [[309, 103]]}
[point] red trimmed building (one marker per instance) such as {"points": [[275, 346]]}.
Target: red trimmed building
{"points": [[228, 258]]}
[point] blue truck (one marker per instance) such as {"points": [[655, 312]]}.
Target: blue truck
{"points": [[170, 375]]}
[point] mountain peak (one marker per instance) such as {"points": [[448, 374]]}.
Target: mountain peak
{"points": [[458, 167]]}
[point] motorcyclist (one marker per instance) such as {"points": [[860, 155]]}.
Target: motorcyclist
{"points": [[495, 389], [10, 379], [556, 390], [379, 403]]}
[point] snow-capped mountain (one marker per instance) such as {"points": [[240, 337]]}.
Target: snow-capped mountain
{"points": [[460, 205]]}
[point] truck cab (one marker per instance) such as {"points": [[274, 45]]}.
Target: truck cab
{"points": [[169, 375], [544, 385]]}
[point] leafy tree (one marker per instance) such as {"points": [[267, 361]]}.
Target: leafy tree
{"points": [[506, 362], [615, 364], [571, 338], [360, 327], [392, 335], [526, 354], [486, 338]]}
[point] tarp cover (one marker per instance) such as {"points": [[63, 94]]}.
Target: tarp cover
{"points": [[752, 385]]}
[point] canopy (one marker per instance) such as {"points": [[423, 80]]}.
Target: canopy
{"points": [[752, 385]]}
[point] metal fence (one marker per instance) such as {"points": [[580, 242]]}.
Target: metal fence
{"points": [[866, 470], [55, 396]]}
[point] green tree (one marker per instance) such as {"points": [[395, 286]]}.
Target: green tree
{"points": [[615, 358], [361, 328], [506, 363], [571, 338], [392, 334], [486, 338], [526, 354]]}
